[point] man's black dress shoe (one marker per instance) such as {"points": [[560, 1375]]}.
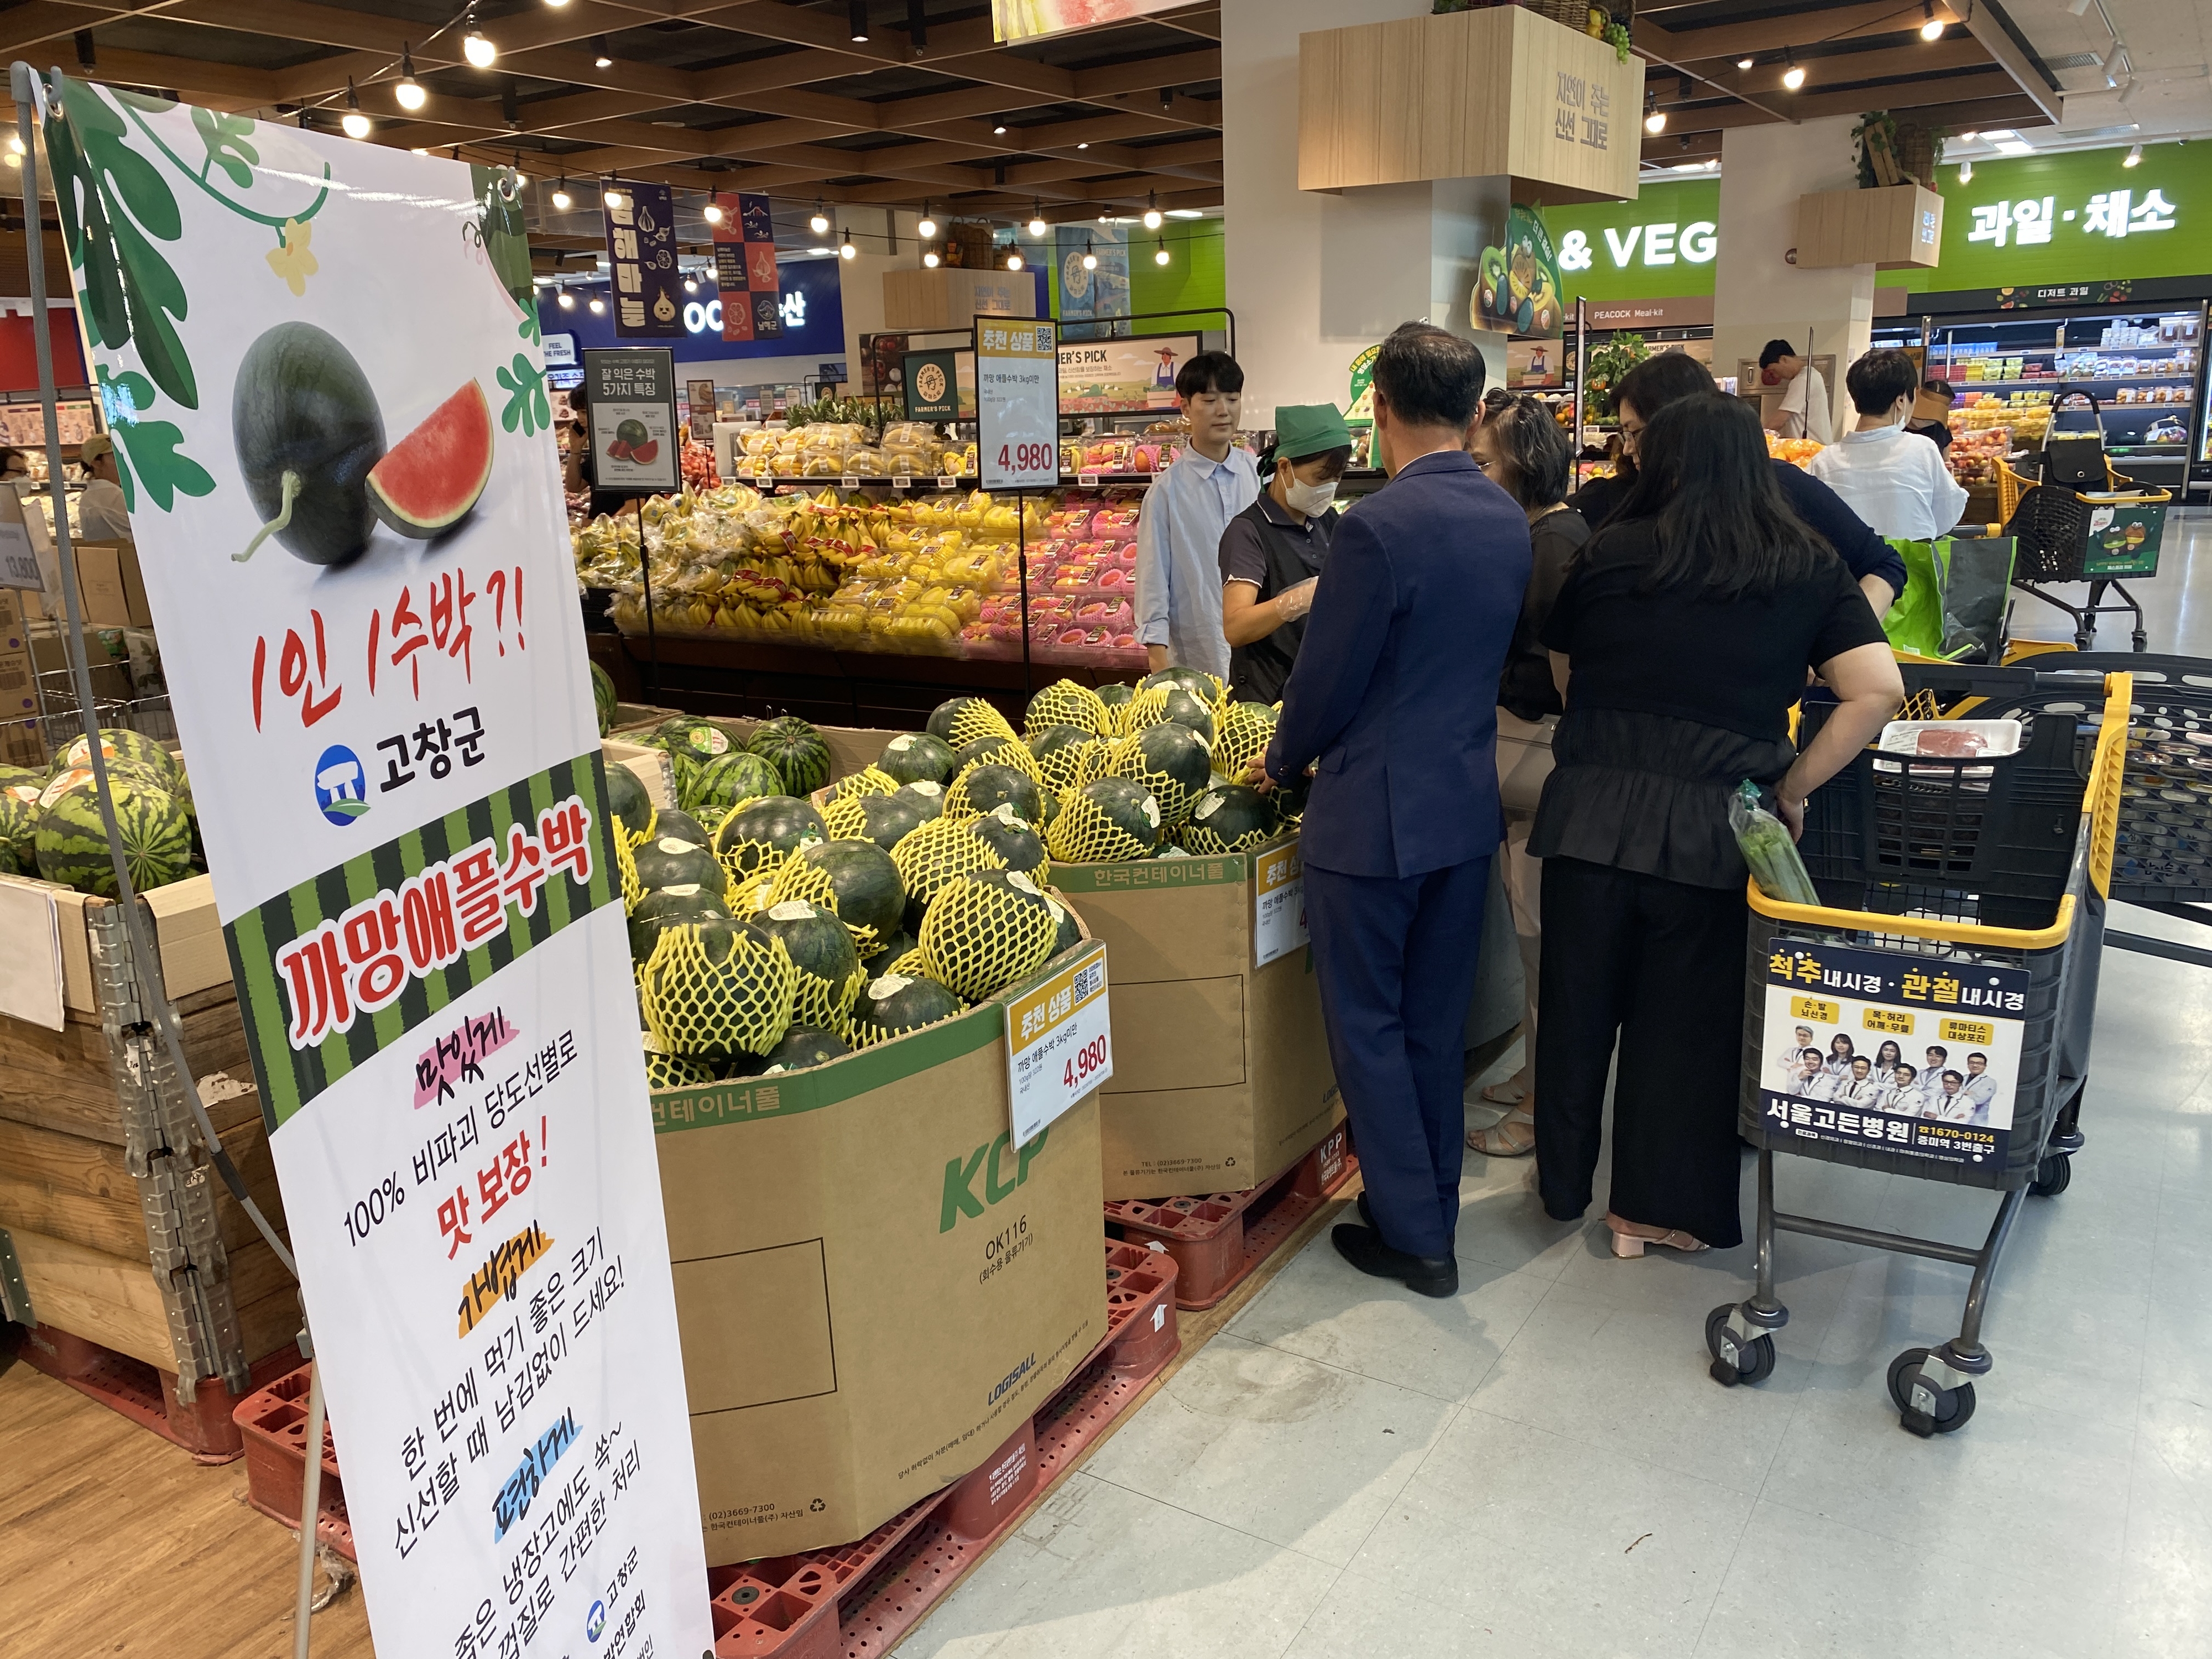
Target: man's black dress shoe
{"points": [[1363, 1247]]}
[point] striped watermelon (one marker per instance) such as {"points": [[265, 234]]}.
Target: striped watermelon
{"points": [[603, 698], [18, 824], [797, 752], [726, 780], [72, 842], [118, 744]]}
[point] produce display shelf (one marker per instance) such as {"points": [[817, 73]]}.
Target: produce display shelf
{"points": [[2068, 382], [147, 1397], [859, 1600], [1219, 1239]]}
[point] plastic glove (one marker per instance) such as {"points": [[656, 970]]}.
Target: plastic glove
{"points": [[1293, 603]]}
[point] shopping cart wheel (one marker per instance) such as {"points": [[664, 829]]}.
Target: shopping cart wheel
{"points": [[1754, 1363], [2052, 1176], [1953, 1406]]}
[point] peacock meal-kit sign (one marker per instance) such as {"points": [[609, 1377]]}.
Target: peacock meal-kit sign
{"points": [[321, 363]]}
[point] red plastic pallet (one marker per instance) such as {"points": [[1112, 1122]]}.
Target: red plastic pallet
{"points": [[860, 1601], [1218, 1239], [273, 1424], [148, 1396]]}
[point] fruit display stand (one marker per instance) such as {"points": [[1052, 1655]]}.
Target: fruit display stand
{"points": [[1222, 1077]]}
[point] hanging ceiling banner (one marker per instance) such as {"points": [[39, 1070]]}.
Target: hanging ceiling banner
{"points": [[641, 259], [1028, 20], [322, 363], [745, 270]]}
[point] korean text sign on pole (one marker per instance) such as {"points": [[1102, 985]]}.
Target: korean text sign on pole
{"points": [[1017, 403], [631, 392], [321, 360]]}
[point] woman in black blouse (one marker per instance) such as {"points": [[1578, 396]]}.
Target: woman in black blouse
{"points": [[1682, 637], [1521, 450]]}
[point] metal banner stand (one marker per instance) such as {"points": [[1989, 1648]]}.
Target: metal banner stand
{"points": [[30, 97], [1582, 374]]}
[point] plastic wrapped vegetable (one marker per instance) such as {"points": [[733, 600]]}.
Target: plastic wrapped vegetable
{"points": [[1769, 849]]}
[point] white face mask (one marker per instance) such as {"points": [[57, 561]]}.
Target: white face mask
{"points": [[1310, 499]]}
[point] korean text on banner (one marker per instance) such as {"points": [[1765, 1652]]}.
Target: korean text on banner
{"points": [[1917, 1055], [1060, 1044], [1278, 903], [631, 391], [641, 259], [1017, 404], [323, 362], [745, 269]]}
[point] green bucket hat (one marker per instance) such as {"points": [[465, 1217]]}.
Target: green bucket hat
{"points": [[1305, 429]]}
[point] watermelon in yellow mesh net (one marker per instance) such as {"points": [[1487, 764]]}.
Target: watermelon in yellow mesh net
{"points": [[893, 1003], [1109, 821], [983, 931], [1067, 758], [675, 1071], [995, 751], [961, 721], [868, 781], [988, 786], [845, 816], [1241, 736], [1171, 761], [716, 989], [1065, 703], [763, 831], [626, 871], [1018, 844], [1231, 817], [820, 948], [1208, 689], [1170, 702], [933, 854], [911, 963]]}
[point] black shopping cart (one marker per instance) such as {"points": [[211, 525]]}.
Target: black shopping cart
{"points": [[1958, 899], [2081, 520]]}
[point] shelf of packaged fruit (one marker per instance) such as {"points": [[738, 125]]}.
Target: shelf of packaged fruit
{"points": [[2071, 382]]}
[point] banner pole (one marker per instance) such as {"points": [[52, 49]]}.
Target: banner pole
{"points": [[645, 575], [1022, 561], [1582, 373]]}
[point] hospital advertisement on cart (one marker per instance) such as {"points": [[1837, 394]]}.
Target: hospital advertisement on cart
{"points": [[322, 365], [1917, 1056]]}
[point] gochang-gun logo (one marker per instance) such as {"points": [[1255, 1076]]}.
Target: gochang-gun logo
{"points": [[341, 784]]}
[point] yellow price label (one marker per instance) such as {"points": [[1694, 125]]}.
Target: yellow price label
{"points": [[1895, 1021], [1815, 1009], [1969, 1030]]}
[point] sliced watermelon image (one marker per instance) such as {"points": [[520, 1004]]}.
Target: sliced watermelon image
{"points": [[645, 453], [431, 479], [619, 450]]}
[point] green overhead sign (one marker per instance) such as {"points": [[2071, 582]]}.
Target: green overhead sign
{"points": [[1660, 246], [2082, 218]]}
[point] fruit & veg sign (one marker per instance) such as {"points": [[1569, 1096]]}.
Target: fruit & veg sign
{"points": [[632, 395], [321, 363]]}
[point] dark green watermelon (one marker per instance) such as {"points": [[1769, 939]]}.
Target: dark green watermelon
{"points": [[1012, 838], [1199, 684], [798, 752], [741, 965], [1052, 739], [119, 746], [665, 907], [1128, 805], [720, 783], [1176, 752], [804, 1046], [983, 749], [778, 822], [819, 942], [889, 951], [739, 1065], [1231, 817], [917, 757], [664, 1072], [896, 1003], [604, 700], [681, 826], [1115, 696], [987, 787], [928, 798], [886, 819], [21, 777], [960, 720], [1184, 709], [867, 883], [306, 429], [664, 861], [1069, 934], [19, 823], [627, 800]]}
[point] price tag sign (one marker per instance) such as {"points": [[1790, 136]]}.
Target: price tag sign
{"points": [[848, 482], [1088, 480], [19, 558], [948, 481], [901, 483], [1018, 402], [1278, 905], [1059, 1044]]}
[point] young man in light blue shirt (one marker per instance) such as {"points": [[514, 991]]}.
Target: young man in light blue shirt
{"points": [[1184, 513]]}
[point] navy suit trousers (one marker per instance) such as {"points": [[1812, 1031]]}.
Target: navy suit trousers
{"points": [[1395, 957]]}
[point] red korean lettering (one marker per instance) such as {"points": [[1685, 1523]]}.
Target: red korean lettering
{"points": [[450, 628], [407, 638], [475, 894], [491, 1189], [564, 831], [372, 933], [314, 973], [497, 586], [516, 1153], [293, 678], [427, 915], [453, 1220], [525, 869]]}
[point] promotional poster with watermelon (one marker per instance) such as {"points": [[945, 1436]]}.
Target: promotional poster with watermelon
{"points": [[321, 365]]}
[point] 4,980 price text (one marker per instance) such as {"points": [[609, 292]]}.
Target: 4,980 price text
{"points": [[1028, 458], [1089, 1059]]}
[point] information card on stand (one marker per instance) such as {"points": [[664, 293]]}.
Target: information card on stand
{"points": [[1278, 903], [389, 720], [1060, 1045], [1017, 403]]}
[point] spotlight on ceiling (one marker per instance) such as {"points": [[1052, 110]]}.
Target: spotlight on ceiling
{"points": [[601, 57], [819, 224], [565, 300], [409, 91], [926, 226], [597, 306], [2133, 158], [713, 212], [1036, 219], [929, 258], [1013, 258], [610, 197], [1794, 77], [561, 200], [1160, 254], [477, 50], [354, 124], [1152, 211], [845, 248], [856, 12], [1932, 29]]}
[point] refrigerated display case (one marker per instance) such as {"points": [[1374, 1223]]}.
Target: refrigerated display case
{"points": [[2144, 368]]}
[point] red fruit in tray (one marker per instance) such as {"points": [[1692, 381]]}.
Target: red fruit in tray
{"points": [[645, 453]]}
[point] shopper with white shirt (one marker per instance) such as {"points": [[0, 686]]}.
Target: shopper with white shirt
{"points": [[1179, 526], [102, 513], [1802, 410], [1893, 478]]}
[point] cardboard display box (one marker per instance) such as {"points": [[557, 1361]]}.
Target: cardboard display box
{"points": [[103, 599], [874, 1287], [1221, 1070]]}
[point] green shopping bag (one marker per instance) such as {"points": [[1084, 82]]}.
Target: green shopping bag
{"points": [[1914, 622], [1953, 605]]}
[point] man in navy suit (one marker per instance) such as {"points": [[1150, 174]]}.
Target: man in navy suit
{"points": [[1393, 702]]}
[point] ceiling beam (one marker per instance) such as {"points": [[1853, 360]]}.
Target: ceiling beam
{"points": [[1989, 28], [1802, 26]]}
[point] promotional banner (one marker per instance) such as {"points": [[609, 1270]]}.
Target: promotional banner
{"points": [[1519, 289], [1123, 376], [1017, 404], [1915, 1054], [642, 256], [1027, 20], [631, 393], [323, 369], [1100, 290], [744, 268]]}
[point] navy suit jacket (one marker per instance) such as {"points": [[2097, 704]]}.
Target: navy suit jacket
{"points": [[1395, 692]]}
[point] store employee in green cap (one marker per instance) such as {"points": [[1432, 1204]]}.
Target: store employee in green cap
{"points": [[1272, 551]]}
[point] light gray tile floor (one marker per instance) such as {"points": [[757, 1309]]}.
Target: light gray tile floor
{"points": [[1540, 1468]]}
